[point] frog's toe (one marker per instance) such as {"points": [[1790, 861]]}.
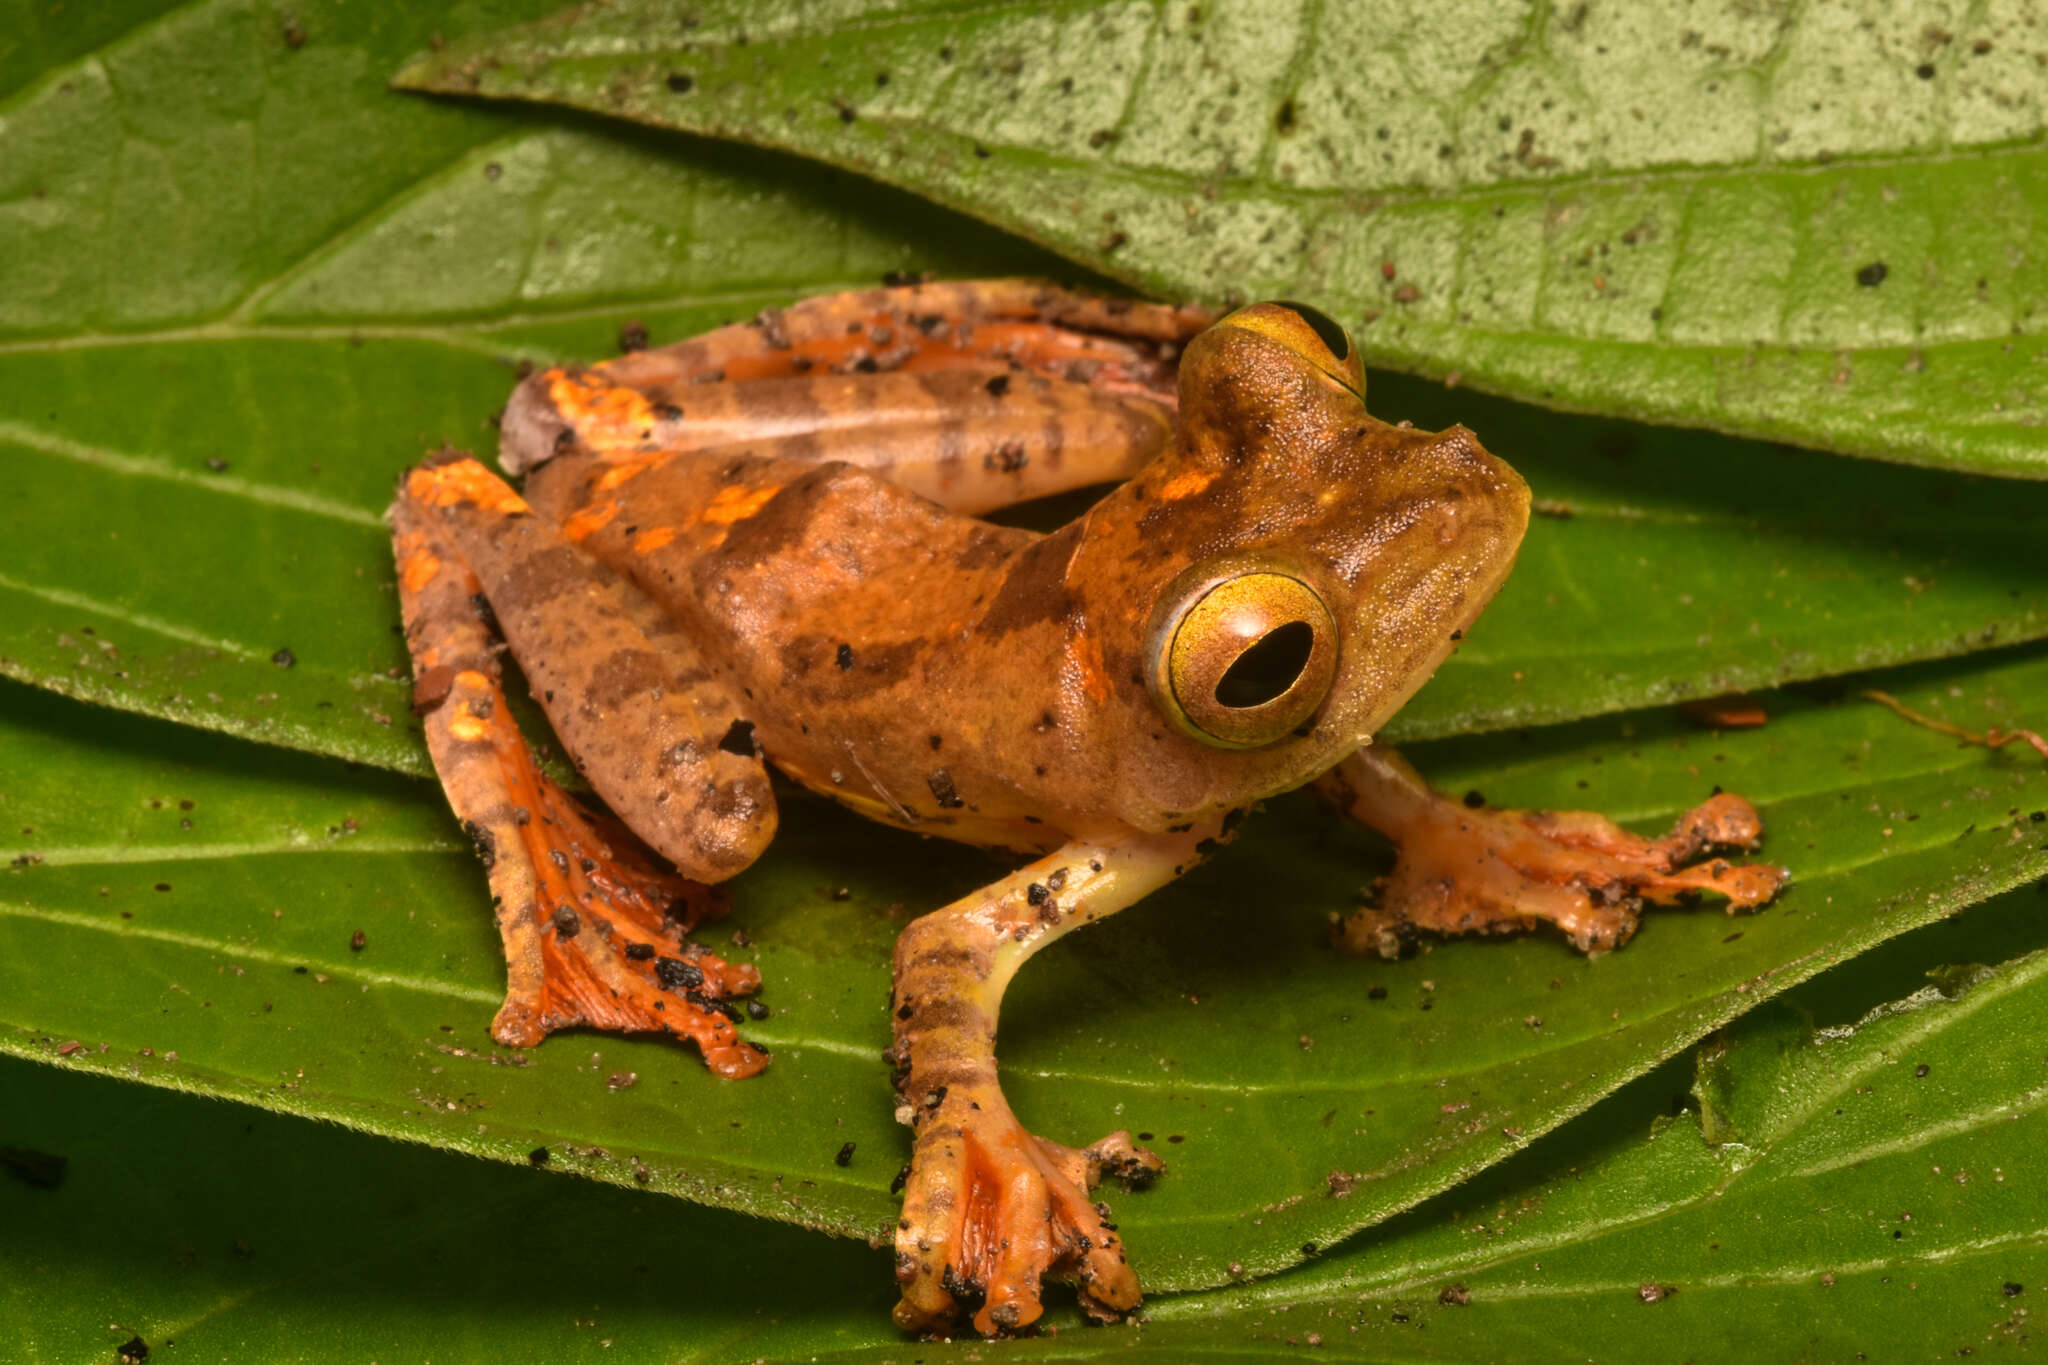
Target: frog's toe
{"points": [[991, 1212]]}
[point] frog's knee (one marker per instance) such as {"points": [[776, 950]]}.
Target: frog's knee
{"points": [[533, 430]]}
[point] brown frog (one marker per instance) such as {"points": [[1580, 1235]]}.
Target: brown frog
{"points": [[760, 546]]}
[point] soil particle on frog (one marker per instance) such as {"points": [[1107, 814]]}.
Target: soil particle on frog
{"points": [[943, 791], [678, 975]]}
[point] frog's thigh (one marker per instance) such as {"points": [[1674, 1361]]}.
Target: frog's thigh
{"points": [[657, 737], [1466, 870], [989, 1209], [970, 439], [993, 325], [592, 927]]}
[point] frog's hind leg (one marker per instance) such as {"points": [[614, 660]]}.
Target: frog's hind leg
{"points": [[592, 924], [1465, 870], [989, 1210], [976, 395]]}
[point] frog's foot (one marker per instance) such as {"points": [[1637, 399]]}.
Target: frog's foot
{"points": [[991, 1211], [593, 925], [1463, 870], [595, 935]]}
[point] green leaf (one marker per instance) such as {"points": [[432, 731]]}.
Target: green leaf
{"points": [[217, 938], [298, 1241], [1790, 222]]}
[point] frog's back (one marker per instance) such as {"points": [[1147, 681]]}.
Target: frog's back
{"points": [[821, 593]]}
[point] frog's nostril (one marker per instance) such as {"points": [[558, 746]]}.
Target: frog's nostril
{"points": [[1268, 668]]}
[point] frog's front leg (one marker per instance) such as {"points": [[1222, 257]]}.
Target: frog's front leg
{"points": [[1464, 870], [990, 1210], [592, 926]]}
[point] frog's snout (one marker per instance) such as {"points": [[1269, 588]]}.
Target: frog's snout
{"points": [[1483, 504]]}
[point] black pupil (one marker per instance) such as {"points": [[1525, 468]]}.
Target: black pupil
{"points": [[1325, 327], [1268, 668]]}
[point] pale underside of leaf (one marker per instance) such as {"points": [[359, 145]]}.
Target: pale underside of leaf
{"points": [[1807, 223]]}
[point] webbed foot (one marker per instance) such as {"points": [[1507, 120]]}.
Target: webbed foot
{"points": [[1464, 870], [992, 1211]]}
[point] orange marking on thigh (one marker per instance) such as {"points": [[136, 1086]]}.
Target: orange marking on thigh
{"points": [[652, 539], [597, 410], [618, 473], [463, 481], [588, 521], [1186, 484], [466, 725], [417, 569], [737, 504]]}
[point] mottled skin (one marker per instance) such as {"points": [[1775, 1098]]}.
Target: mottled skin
{"points": [[756, 543]]}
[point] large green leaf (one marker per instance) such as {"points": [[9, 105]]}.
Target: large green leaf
{"points": [[1871, 1181], [204, 401], [1819, 223], [221, 240], [218, 938]]}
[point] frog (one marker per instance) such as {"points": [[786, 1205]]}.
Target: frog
{"points": [[769, 546]]}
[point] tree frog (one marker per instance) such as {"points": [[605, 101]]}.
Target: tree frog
{"points": [[761, 546]]}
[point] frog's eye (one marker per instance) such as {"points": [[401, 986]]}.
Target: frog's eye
{"points": [[1310, 333], [1241, 655]]}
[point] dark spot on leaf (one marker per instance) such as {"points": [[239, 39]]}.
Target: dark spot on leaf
{"points": [[1872, 275], [284, 658], [681, 82]]}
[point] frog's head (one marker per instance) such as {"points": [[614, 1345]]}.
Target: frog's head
{"points": [[1293, 569]]}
